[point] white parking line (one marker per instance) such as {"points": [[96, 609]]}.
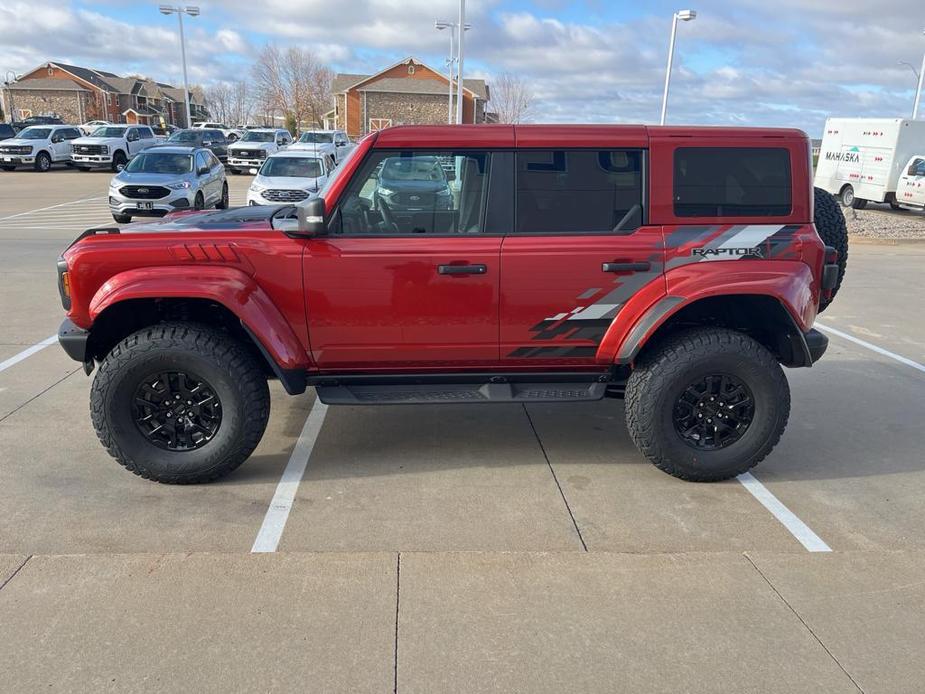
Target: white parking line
{"points": [[16, 358], [802, 532], [872, 347], [43, 209], [278, 513]]}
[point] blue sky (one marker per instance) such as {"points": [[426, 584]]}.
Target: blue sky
{"points": [[790, 62]]}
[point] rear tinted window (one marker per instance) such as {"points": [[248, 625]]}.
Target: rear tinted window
{"points": [[731, 182], [579, 191]]}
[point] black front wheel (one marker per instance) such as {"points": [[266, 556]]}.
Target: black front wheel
{"points": [[42, 162], [180, 403], [119, 160], [223, 203], [707, 404]]}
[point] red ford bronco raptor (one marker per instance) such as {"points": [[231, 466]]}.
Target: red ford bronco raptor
{"points": [[675, 267]]}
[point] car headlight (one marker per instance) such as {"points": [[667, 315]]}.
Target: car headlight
{"points": [[254, 188], [178, 186], [115, 183], [104, 149]]}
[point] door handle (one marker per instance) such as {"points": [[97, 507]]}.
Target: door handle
{"points": [[462, 269], [626, 267]]}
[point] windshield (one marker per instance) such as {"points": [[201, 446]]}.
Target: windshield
{"points": [[319, 138], [412, 169], [297, 167], [257, 136], [185, 136], [34, 133], [161, 163], [107, 131], [339, 171]]}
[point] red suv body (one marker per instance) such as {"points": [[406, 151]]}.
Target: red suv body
{"points": [[531, 256]]}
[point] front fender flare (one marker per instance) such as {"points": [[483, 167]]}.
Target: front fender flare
{"points": [[228, 286]]}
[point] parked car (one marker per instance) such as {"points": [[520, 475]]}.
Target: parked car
{"points": [[231, 134], [6, 131], [88, 127], [410, 184], [39, 120], [289, 177], [167, 179], [162, 134], [910, 190], [862, 159], [213, 140], [251, 150], [111, 146], [677, 268], [334, 143], [39, 146]]}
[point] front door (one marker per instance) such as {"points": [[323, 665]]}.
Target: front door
{"points": [[580, 250], [911, 187], [408, 276]]}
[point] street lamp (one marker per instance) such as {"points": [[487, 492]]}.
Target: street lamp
{"points": [[440, 25], [918, 89], [192, 11], [684, 16]]}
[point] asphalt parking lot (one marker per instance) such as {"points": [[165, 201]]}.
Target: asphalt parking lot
{"points": [[445, 549]]}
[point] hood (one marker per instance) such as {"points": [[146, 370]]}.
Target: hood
{"points": [[96, 140], [251, 145], [312, 146], [406, 186], [142, 177], [18, 142], [290, 182]]}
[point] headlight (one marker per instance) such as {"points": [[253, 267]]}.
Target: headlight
{"points": [[254, 188], [178, 186], [115, 183], [104, 149]]}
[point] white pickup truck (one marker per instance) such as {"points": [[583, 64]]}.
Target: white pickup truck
{"points": [[253, 149], [333, 143], [871, 159], [38, 146], [111, 146], [231, 134]]}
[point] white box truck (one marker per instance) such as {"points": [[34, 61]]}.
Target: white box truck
{"points": [[863, 159]]}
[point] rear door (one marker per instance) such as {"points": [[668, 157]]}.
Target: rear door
{"points": [[408, 277], [580, 249]]}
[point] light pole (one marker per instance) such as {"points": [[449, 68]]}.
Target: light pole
{"points": [[684, 16], [440, 25], [192, 11], [461, 29], [918, 89]]}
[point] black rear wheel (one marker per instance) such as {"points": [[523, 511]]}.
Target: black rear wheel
{"points": [[707, 404], [223, 203], [180, 403]]}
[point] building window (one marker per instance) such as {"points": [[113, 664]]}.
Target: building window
{"points": [[379, 123]]}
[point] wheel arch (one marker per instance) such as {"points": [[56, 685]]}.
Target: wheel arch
{"points": [[219, 296]]}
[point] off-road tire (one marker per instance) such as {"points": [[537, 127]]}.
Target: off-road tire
{"points": [[42, 162], [122, 218], [119, 160], [681, 359], [228, 368], [831, 227], [222, 204]]}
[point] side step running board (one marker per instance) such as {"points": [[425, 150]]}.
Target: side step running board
{"points": [[454, 393]]}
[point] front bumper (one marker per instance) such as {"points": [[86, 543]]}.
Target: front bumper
{"points": [[239, 163], [816, 343], [92, 160], [175, 200], [74, 341], [15, 160]]}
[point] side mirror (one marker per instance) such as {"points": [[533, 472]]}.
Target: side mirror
{"points": [[56, 139], [311, 218], [207, 143], [202, 171]]}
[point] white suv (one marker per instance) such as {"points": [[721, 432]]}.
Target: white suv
{"points": [[252, 150], [111, 146], [334, 143], [38, 146]]}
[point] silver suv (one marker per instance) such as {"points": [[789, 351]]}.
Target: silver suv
{"points": [[168, 179]]}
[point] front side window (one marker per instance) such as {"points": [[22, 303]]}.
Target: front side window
{"points": [[732, 182], [417, 192], [160, 162], [579, 191]]}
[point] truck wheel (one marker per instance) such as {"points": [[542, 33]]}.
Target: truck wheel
{"points": [[118, 161], [179, 403], [830, 225], [223, 203], [707, 404], [42, 162]]}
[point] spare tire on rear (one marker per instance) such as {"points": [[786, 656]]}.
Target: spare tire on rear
{"points": [[831, 227]]}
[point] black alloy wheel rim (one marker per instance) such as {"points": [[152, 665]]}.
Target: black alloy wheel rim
{"points": [[713, 412], [176, 411]]}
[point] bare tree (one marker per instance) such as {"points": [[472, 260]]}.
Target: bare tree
{"points": [[218, 101], [293, 81], [241, 104], [511, 98]]}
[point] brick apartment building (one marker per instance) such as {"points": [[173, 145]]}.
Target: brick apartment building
{"points": [[79, 94], [408, 92]]}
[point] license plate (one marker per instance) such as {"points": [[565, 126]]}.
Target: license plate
{"points": [[145, 206], [7, 158]]}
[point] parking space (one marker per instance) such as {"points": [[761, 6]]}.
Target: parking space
{"points": [[506, 547]]}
